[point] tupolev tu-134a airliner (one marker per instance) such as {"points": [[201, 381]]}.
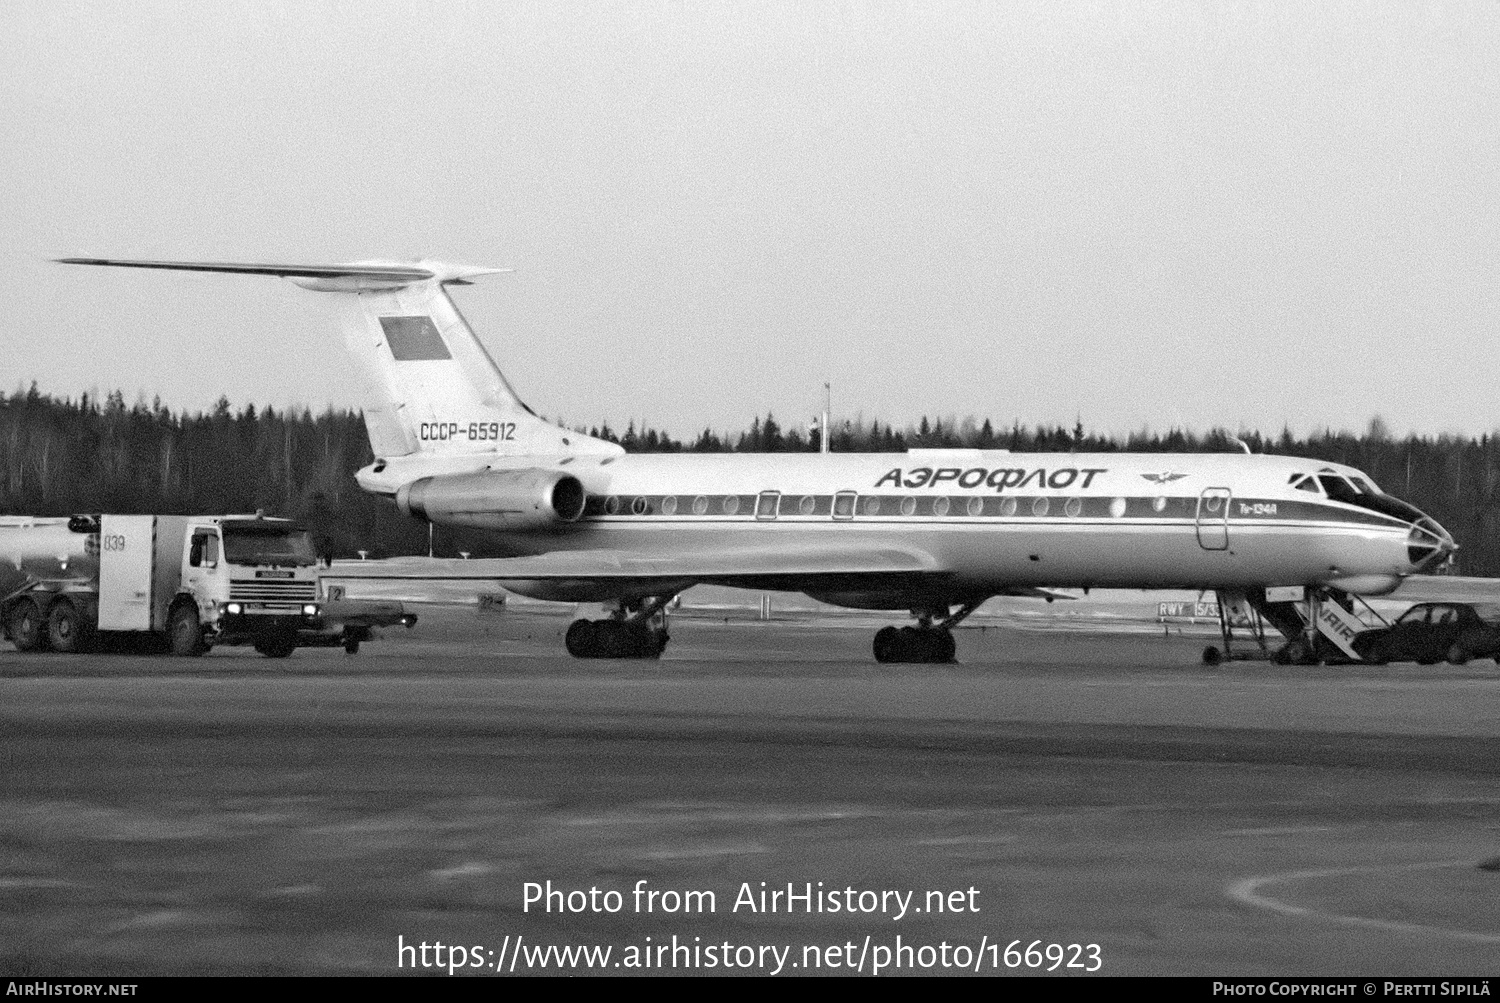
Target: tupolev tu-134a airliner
{"points": [[934, 532]]}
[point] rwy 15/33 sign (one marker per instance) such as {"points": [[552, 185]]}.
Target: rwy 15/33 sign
{"points": [[1183, 610]]}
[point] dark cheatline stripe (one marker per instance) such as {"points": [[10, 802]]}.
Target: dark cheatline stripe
{"points": [[848, 506]]}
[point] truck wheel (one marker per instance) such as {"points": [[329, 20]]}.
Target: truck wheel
{"points": [[185, 632], [276, 646], [351, 646], [65, 628], [27, 628]]}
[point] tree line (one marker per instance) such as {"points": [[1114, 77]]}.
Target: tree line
{"points": [[60, 456]]}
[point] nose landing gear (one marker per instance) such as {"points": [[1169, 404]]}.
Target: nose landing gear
{"points": [[635, 629], [930, 641]]}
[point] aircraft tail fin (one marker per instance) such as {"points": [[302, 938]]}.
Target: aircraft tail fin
{"points": [[431, 385]]}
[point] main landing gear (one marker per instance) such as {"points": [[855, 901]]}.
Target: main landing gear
{"points": [[635, 629], [914, 644], [930, 641]]}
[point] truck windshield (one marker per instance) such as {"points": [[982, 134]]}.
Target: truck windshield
{"points": [[278, 546]]}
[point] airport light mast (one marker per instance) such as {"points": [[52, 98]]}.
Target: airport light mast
{"points": [[823, 430]]}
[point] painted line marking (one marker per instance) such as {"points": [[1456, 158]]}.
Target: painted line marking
{"points": [[692, 853], [7, 883], [1247, 892]]}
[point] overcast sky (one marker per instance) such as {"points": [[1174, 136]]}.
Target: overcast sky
{"points": [[1160, 214]]}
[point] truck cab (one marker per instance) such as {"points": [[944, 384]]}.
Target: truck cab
{"points": [[249, 580], [206, 580]]}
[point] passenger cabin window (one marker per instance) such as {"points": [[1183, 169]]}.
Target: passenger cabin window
{"points": [[204, 552], [1417, 614]]}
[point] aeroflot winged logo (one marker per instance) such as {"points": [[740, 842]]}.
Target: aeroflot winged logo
{"points": [[1163, 478], [999, 479]]}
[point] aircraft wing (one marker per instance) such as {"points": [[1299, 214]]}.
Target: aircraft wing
{"points": [[601, 575], [620, 565]]}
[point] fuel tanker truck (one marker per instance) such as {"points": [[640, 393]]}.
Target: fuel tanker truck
{"points": [[182, 583]]}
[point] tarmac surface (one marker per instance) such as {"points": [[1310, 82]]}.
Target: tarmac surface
{"points": [[314, 815]]}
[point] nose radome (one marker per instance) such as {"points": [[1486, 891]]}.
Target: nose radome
{"points": [[1428, 544]]}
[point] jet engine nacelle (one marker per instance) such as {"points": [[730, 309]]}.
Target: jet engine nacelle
{"points": [[495, 499]]}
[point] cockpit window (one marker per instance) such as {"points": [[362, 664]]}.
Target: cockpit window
{"points": [[1338, 489], [1359, 490], [1305, 484]]}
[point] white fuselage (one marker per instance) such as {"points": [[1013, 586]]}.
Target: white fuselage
{"points": [[989, 519]]}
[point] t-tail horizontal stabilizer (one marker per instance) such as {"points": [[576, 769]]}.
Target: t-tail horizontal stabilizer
{"points": [[433, 391], [356, 276]]}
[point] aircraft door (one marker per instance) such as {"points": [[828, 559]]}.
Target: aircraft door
{"points": [[1213, 519]]}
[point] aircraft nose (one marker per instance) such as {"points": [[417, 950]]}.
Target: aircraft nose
{"points": [[1428, 544]]}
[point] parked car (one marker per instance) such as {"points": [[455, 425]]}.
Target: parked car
{"points": [[1431, 632]]}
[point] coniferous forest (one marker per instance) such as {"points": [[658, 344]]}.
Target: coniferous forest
{"points": [[65, 456]]}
